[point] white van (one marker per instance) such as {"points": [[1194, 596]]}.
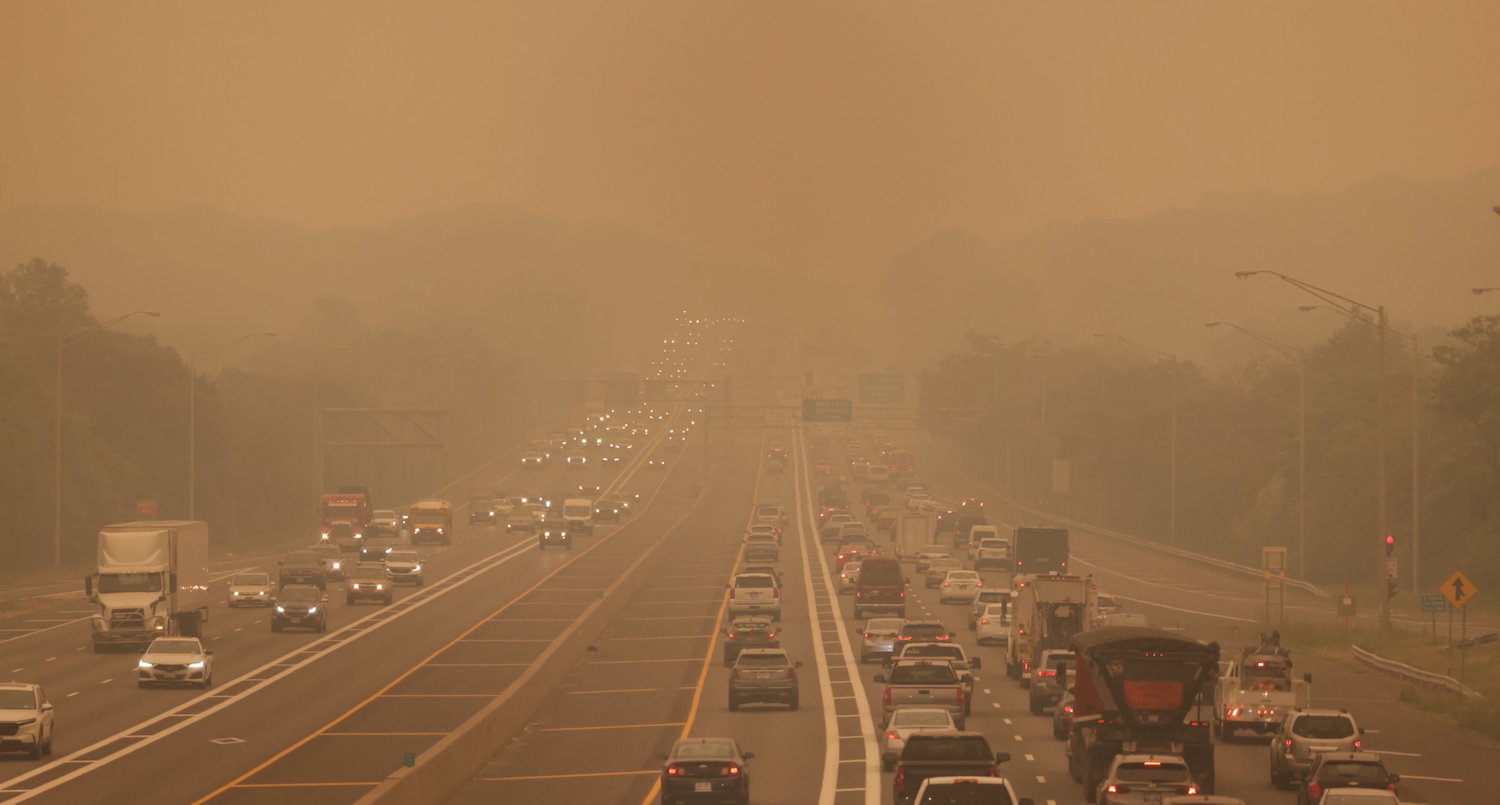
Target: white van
{"points": [[578, 516]]}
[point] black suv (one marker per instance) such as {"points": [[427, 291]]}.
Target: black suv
{"points": [[299, 607], [763, 676], [553, 531], [302, 567], [481, 510], [369, 582], [1344, 770]]}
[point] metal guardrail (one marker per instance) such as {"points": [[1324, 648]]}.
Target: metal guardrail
{"points": [[1223, 564], [1410, 673]]}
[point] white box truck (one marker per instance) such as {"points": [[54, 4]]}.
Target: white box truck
{"points": [[151, 581], [912, 533]]}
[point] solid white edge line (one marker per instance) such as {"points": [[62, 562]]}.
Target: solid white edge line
{"points": [[872, 786]]}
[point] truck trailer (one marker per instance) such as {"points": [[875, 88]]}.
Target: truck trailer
{"points": [[1140, 690], [151, 581]]}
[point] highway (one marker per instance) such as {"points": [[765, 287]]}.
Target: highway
{"points": [[329, 718]]}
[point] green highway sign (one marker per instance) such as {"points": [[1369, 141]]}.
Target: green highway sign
{"points": [[884, 388], [820, 410], [1433, 602]]}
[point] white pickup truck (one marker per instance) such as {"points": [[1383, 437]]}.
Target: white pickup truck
{"points": [[1256, 693]]}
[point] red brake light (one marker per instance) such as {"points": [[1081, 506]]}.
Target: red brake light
{"points": [[730, 770], [867, 635], [1357, 743], [674, 770], [892, 736], [984, 620], [1117, 788], [1314, 790], [1049, 673], [1288, 743]]}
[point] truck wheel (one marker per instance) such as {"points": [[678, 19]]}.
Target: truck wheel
{"points": [[1226, 733], [734, 703], [1090, 785], [1279, 779]]}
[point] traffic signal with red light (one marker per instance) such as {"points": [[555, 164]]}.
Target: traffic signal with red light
{"points": [[1390, 545]]}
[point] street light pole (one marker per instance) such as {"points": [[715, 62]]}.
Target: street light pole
{"points": [[193, 417], [1301, 358], [64, 342], [1172, 419], [1338, 301]]}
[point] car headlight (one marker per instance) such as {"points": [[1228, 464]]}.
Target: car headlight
{"points": [[198, 664], [312, 610], [417, 569], [380, 586], [280, 608], [337, 565], [234, 592]]}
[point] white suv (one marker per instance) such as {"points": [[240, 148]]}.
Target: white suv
{"points": [[25, 719], [755, 592]]}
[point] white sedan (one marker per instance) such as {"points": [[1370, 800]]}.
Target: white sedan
{"points": [[960, 585], [905, 721], [992, 626], [175, 661]]}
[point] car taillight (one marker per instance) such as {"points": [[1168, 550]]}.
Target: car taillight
{"points": [[947, 584], [903, 637], [1117, 788], [892, 735], [776, 592], [867, 635], [1391, 788], [734, 673], [674, 770], [984, 620], [791, 673], [903, 593], [886, 697], [731, 635], [1357, 744], [1067, 708], [1288, 743], [730, 770], [899, 783], [959, 695], [1190, 790], [1046, 673], [1314, 790]]}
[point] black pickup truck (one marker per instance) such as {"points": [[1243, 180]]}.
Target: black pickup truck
{"points": [[945, 753]]}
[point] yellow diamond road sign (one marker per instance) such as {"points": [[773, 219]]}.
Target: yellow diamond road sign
{"points": [[1458, 589]]}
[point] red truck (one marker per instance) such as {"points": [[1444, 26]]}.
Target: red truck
{"points": [[346, 516], [1140, 690]]}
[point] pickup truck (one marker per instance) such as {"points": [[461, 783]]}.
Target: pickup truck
{"points": [[924, 683], [943, 753], [954, 654]]}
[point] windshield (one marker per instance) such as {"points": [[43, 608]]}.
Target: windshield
{"points": [[175, 647], [1358, 796], [402, 556], [1353, 770], [1152, 772], [924, 629], [884, 624], [251, 580], [1327, 728], [921, 718], [577, 511], [763, 660], [297, 595], [704, 751], [17, 700], [945, 748], [130, 582], [923, 675], [965, 794]]}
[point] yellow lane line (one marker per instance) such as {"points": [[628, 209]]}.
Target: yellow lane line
{"points": [[567, 776], [612, 727]]}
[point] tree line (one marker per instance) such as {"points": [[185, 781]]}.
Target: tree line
{"points": [[125, 410], [1086, 431]]}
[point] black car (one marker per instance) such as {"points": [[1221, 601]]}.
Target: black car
{"points": [[369, 582], [1344, 770], [553, 531], [481, 510], [705, 770], [300, 607], [375, 549], [610, 510], [302, 568]]}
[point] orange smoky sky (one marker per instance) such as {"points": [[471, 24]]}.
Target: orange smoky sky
{"points": [[810, 133]]}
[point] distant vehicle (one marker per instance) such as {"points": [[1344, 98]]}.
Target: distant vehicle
{"points": [[302, 567], [26, 715], [332, 559], [151, 581], [960, 585], [481, 510], [1333, 770], [970, 790], [1141, 778], [1303, 735], [880, 588], [1041, 551], [300, 607], [533, 460], [993, 625], [578, 516], [175, 661], [748, 631], [369, 581], [431, 521], [553, 531], [755, 592], [404, 567], [383, 523], [906, 721], [346, 514], [251, 590]]}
